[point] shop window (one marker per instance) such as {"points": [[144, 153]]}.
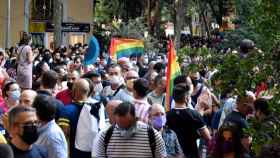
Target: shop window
{"points": [[77, 38]]}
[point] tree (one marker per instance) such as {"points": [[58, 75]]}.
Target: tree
{"points": [[153, 15], [106, 10], [265, 20], [181, 10]]}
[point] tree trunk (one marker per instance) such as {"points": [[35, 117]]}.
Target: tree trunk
{"points": [[206, 26], [156, 18], [217, 14], [153, 9], [57, 20], [181, 8]]}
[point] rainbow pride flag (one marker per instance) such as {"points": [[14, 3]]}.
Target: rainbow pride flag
{"points": [[173, 70], [122, 47]]}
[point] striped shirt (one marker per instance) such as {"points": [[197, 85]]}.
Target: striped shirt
{"points": [[136, 146], [142, 110]]}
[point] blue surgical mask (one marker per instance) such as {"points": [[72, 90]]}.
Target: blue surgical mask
{"points": [[15, 95], [158, 122]]}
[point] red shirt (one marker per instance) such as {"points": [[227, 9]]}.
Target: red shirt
{"points": [[65, 96], [260, 88], [3, 105]]}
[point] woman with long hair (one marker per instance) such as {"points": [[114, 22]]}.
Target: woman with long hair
{"points": [[25, 59], [227, 143]]}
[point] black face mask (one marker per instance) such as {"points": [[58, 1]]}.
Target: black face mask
{"points": [[30, 134], [195, 82], [64, 78], [228, 147], [69, 85]]}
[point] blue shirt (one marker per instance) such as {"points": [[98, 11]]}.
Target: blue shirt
{"points": [[35, 152], [124, 96], [173, 148], [52, 137], [69, 117]]}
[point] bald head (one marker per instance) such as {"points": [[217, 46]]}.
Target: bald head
{"points": [[81, 89], [111, 105], [27, 97], [156, 110]]}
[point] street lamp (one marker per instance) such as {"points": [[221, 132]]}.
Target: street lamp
{"points": [[8, 24]]}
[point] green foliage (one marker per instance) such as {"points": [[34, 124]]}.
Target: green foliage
{"points": [[266, 21], [241, 74], [106, 10], [266, 131], [233, 38]]}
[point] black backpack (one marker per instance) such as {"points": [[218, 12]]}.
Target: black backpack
{"points": [[151, 135]]}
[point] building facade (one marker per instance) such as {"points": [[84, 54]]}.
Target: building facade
{"points": [[36, 17]]}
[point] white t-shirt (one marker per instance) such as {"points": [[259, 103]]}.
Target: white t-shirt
{"points": [[88, 127]]}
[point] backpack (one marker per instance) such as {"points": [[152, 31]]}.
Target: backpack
{"points": [[151, 135]]}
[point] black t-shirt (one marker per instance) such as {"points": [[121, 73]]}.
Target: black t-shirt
{"points": [[35, 152], [238, 119], [186, 124]]}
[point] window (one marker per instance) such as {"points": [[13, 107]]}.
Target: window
{"points": [[42, 10]]}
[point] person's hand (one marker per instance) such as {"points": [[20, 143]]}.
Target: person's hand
{"points": [[5, 121]]}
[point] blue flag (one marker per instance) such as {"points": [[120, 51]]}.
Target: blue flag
{"points": [[92, 52]]}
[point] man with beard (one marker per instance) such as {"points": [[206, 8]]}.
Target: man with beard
{"points": [[66, 95]]}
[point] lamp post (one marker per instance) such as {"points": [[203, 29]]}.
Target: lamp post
{"points": [[8, 24], [57, 20], [26, 15]]}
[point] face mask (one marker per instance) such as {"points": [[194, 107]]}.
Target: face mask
{"points": [[159, 122], [63, 77], [195, 82], [128, 133], [228, 147], [146, 61], [134, 62], [15, 95], [98, 88], [30, 134], [69, 85], [115, 80]]}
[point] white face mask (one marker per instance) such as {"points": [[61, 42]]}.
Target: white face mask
{"points": [[98, 88], [146, 61], [115, 80], [134, 62]]}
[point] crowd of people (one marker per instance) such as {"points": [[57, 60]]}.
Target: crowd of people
{"points": [[53, 106]]}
